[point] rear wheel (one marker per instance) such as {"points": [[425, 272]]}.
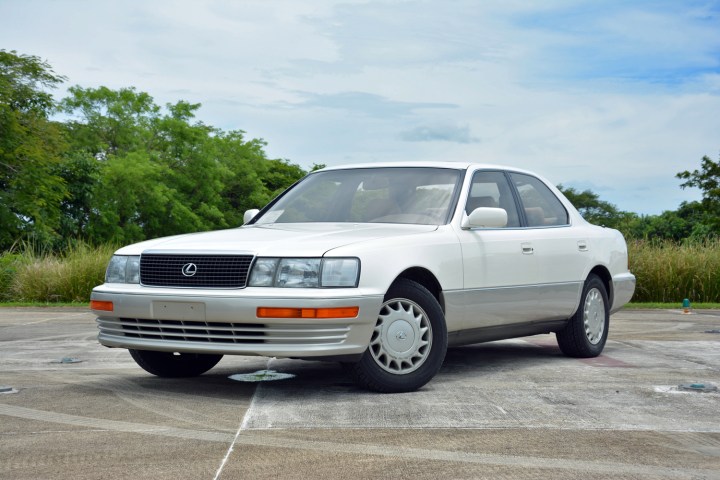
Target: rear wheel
{"points": [[174, 364], [408, 344], [587, 331]]}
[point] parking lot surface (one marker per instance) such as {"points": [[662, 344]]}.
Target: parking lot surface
{"points": [[70, 408]]}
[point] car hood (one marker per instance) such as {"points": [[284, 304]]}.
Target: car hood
{"points": [[289, 239]]}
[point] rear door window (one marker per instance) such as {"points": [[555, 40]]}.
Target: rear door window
{"points": [[541, 207]]}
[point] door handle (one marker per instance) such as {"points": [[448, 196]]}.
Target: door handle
{"points": [[527, 249], [582, 246]]}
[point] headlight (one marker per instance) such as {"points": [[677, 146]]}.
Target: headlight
{"points": [[123, 269], [263, 272], [340, 272], [298, 272], [305, 272]]}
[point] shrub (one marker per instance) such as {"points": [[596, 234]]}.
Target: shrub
{"points": [[8, 267], [46, 277], [667, 271]]}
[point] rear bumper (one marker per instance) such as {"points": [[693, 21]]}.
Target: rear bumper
{"points": [[225, 322], [623, 290]]}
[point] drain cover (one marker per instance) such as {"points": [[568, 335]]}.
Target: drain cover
{"points": [[7, 389], [698, 387], [261, 376], [712, 331], [68, 360]]}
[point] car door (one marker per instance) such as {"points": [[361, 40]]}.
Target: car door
{"points": [[500, 268], [560, 249]]}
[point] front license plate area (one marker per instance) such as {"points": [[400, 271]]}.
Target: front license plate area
{"points": [[178, 311]]}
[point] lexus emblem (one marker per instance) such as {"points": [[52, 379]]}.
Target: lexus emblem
{"points": [[189, 269]]}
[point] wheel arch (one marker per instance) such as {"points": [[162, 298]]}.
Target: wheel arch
{"points": [[427, 279], [606, 278]]}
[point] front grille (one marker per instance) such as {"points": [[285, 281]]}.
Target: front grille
{"points": [[200, 271], [223, 333]]}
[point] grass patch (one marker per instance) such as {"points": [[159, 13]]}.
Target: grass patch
{"points": [[9, 263], [40, 278], [670, 306], [668, 272], [44, 305]]}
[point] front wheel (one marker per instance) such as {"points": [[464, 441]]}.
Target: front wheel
{"points": [[408, 344], [173, 364], [587, 331]]}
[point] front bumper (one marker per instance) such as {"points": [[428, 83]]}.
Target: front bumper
{"points": [[225, 321]]}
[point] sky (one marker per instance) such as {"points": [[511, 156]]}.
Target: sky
{"points": [[612, 96]]}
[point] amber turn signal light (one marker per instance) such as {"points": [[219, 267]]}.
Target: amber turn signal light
{"points": [[99, 305], [278, 312]]}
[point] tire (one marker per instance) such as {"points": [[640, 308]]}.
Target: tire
{"points": [[174, 365], [408, 345], [586, 333]]}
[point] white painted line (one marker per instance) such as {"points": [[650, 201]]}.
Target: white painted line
{"points": [[255, 439], [424, 454], [246, 418], [243, 424], [54, 318], [227, 455], [114, 425]]}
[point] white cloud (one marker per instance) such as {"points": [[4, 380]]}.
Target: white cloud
{"points": [[617, 95], [439, 133]]}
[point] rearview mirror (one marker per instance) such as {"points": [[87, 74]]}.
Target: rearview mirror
{"points": [[485, 217], [249, 215]]}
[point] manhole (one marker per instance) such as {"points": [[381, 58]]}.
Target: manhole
{"points": [[261, 376], [65, 360], [7, 389], [698, 387]]}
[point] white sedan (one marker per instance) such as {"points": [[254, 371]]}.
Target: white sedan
{"points": [[380, 267]]}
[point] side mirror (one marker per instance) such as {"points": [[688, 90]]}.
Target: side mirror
{"points": [[485, 217], [249, 215]]}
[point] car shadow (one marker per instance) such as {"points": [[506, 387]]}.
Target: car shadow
{"points": [[472, 360], [504, 355]]}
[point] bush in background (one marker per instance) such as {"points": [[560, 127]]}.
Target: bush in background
{"points": [[9, 263], [47, 277], [667, 271]]}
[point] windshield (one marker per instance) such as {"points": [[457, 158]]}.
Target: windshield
{"points": [[369, 195]]}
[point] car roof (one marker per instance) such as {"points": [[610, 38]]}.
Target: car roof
{"points": [[451, 165]]}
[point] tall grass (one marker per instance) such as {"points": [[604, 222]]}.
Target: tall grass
{"points": [[670, 272], [665, 271], [9, 263], [47, 277]]}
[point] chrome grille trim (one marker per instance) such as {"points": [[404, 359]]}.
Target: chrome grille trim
{"points": [[211, 271], [224, 333]]}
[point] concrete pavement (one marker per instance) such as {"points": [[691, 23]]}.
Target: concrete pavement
{"points": [[511, 409]]}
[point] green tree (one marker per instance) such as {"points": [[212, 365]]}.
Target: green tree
{"points": [[159, 171], [134, 202], [187, 148], [110, 122], [81, 173], [707, 179], [253, 179], [594, 210], [279, 174], [31, 147], [153, 174]]}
